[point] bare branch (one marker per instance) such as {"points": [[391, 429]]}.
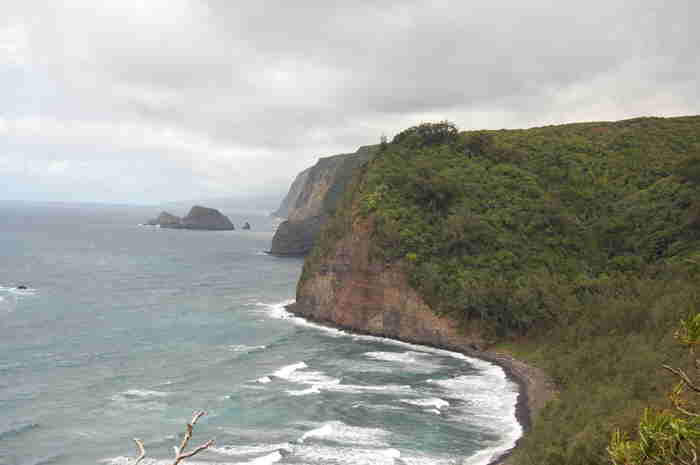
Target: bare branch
{"points": [[180, 453], [681, 374], [142, 451]]}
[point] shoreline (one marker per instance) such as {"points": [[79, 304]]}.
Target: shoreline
{"points": [[534, 387]]}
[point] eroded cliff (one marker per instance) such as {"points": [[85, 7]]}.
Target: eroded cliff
{"points": [[312, 199]]}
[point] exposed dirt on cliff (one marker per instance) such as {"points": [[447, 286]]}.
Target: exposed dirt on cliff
{"points": [[345, 288]]}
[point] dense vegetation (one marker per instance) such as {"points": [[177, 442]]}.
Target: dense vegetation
{"points": [[578, 246]]}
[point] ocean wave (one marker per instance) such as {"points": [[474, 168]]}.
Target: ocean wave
{"points": [[304, 392], [482, 390], [434, 402], [339, 432], [144, 393], [278, 311], [416, 361], [20, 292], [390, 389], [251, 450], [320, 454], [17, 430], [266, 459], [242, 348], [264, 380], [286, 371]]}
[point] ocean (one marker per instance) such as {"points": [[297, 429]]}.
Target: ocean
{"points": [[125, 330]]}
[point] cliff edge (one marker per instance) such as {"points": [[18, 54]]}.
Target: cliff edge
{"points": [[311, 199], [575, 248]]}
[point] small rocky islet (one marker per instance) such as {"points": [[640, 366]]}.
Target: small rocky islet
{"points": [[198, 218]]}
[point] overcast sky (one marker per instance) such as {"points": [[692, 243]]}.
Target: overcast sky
{"points": [[146, 101]]}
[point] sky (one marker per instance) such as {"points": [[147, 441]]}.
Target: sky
{"points": [[150, 101]]}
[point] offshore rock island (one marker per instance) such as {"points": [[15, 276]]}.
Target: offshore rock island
{"points": [[198, 218], [574, 248]]}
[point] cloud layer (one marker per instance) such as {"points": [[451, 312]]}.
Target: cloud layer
{"points": [[171, 99]]}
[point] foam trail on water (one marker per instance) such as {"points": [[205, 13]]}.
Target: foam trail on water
{"points": [[337, 431], [491, 390], [286, 371], [434, 402], [249, 450]]}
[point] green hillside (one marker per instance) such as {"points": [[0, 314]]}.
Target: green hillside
{"points": [[577, 246]]}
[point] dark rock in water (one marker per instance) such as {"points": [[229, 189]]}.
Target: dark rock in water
{"points": [[246, 226], [296, 238], [201, 218], [206, 218], [165, 220], [21, 286]]}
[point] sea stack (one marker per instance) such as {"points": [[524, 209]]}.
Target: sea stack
{"points": [[207, 219], [165, 220], [199, 218]]}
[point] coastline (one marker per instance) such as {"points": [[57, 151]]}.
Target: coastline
{"points": [[534, 387]]}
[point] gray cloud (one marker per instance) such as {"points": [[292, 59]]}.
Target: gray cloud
{"points": [[243, 97]]}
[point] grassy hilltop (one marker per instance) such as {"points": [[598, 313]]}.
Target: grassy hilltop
{"points": [[577, 246]]}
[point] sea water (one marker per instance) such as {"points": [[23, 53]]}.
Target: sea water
{"points": [[125, 330]]}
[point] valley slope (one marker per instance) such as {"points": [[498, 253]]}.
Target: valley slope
{"points": [[575, 248]]}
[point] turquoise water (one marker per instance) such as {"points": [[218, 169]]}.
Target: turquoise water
{"points": [[125, 330]]}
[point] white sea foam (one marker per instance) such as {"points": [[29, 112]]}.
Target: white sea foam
{"points": [[250, 450], [382, 389], [264, 380], [412, 360], [490, 396], [320, 454], [244, 348], [266, 459], [304, 392], [145, 393], [339, 432], [286, 371], [297, 373], [20, 292], [434, 402]]}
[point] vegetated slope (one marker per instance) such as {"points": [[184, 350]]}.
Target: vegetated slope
{"points": [[577, 247]]}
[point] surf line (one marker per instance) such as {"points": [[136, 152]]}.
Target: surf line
{"points": [[533, 387]]}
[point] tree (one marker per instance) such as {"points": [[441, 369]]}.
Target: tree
{"points": [[427, 134], [669, 436]]}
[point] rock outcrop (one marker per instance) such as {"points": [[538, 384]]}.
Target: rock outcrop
{"points": [[296, 238], [312, 199], [246, 226], [206, 218], [199, 218], [165, 220]]}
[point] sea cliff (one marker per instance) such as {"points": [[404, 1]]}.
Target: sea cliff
{"points": [[572, 248], [312, 199]]}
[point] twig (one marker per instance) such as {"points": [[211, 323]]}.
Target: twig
{"points": [[180, 453], [142, 451], [681, 374]]}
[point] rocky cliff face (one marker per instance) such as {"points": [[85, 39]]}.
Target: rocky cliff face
{"points": [[312, 199], [291, 198], [346, 288]]}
